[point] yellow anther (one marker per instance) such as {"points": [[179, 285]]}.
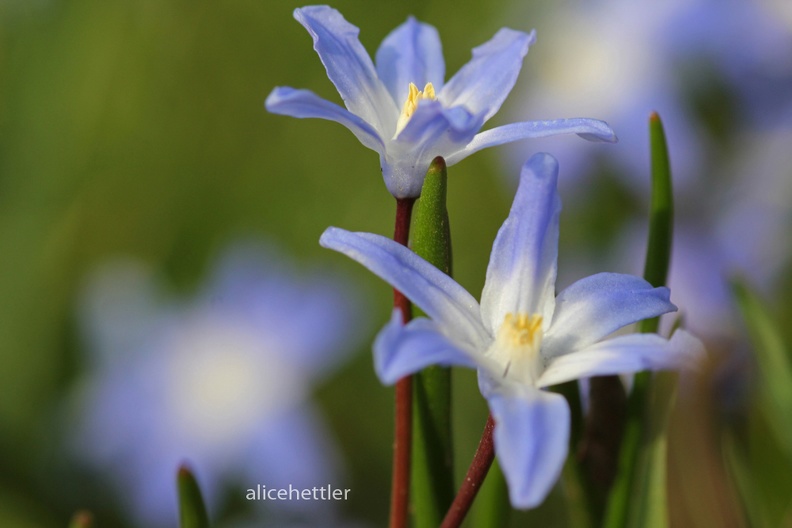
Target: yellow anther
{"points": [[428, 92], [413, 97], [522, 330], [517, 346]]}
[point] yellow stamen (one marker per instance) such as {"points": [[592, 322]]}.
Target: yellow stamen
{"points": [[522, 330], [413, 97], [517, 346]]}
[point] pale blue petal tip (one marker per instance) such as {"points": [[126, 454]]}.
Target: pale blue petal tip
{"points": [[531, 438], [542, 165], [601, 132]]}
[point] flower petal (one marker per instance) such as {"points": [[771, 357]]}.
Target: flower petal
{"points": [[522, 268], [349, 66], [433, 130], [590, 129], [411, 53], [400, 350], [596, 306], [483, 84], [624, 355], [531, 441], [304, 103], [437, 294]]}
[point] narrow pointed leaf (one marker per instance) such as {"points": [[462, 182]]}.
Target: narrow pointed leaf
{"points": [[433, 481], [638, 498], [661, 214], [192, 511]]}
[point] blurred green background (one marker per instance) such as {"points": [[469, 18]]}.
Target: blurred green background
{"points": [[138, 128]]}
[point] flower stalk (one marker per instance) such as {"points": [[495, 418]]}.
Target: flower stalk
{"points": [[402, 440], [477, 472]]}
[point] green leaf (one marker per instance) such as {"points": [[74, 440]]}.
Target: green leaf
{"points": [[760, 457], [432, 467], [192, 512], [760, 471], [774, 362], [638, 498], [661, 214], [82, 519], [431, 230]]}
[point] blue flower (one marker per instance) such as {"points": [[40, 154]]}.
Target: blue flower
{"points": [[223, 381], [403, 110], [521, 338]]}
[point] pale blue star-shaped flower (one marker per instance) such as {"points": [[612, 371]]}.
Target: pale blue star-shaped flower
{"points": [[522, 337], [403, 110]]}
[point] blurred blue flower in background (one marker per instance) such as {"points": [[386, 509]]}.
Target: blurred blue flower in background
{"points": [[698, 63], [522, 337], [437, 120], [222, 380]]}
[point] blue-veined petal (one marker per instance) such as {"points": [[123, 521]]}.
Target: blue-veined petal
{"points": [[596, 306], [483, 84], [432, 131], [624, 355], [400, 350], [411, 53], [437, 294], [349, 66], [531, 441], [522, 269], [304, 103], [590, 129]]}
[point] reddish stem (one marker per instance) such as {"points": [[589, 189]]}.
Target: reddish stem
{"points": [[479, 467], [402, 440]]}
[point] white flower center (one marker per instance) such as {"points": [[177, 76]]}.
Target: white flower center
{"points": [[225, 382], [516, 347], [411, 104]]}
